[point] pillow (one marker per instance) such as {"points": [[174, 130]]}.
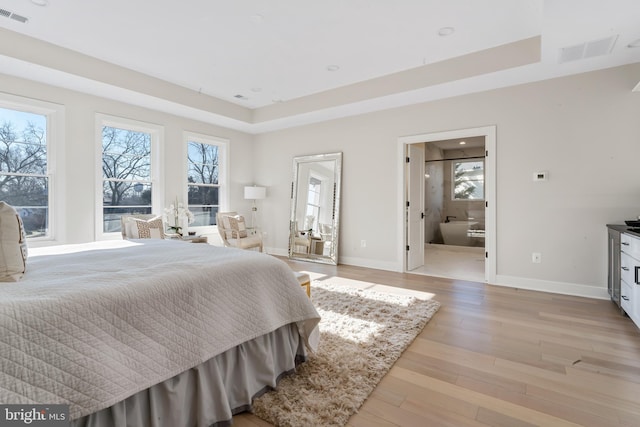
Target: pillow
{"points": [[236, 223], [145, 228], [13, 245]]}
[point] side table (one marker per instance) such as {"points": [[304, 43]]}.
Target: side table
{"points": [[195, 239]]}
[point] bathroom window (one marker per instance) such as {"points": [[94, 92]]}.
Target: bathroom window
{"points": [[468, 180]]}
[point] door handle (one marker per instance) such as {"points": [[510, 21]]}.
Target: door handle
{"points": [[624, 297], [421, 215], [625, 268], [637, 268]]}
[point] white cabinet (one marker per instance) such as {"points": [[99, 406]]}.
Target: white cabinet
{"points": [[630, 276]]}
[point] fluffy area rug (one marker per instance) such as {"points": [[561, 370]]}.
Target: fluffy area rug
{"points": [[362, 333]]}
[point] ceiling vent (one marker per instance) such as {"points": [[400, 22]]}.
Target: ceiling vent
{"points": [[14, 16], [588, 50]]}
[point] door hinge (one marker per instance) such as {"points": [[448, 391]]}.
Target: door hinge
{"points": [[407, 204], [486, 153], [407, 247], [407, 159], [486, 254], [486, 204]]}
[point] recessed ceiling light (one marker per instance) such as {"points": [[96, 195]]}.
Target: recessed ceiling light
{"points": [[635, 43], [40, 2], [463, 142], [256, 18], [446, 31], [333, 67]]}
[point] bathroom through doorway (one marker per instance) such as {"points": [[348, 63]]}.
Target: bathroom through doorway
{"points": [[457, 207]]}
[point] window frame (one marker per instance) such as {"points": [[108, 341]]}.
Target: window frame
{"points": [[223, 173], [157, 167], [55, 135], [313, 206], [453, 180]]}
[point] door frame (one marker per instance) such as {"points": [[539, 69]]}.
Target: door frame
{"points": [[489, 132]]}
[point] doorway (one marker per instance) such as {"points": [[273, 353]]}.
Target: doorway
{"points": [[469, 226]]}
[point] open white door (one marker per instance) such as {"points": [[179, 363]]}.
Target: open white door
{"points": [[415, 208]]}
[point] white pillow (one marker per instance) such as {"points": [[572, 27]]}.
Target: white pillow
{"points": [[145, 228], [13, 245]]}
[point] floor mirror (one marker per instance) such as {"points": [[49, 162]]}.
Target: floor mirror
{"points": [[315, 208]]}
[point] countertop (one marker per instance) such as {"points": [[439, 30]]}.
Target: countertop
{"points": [[622, 228]]}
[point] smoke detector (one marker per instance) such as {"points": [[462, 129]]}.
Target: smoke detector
{"points": [[588, 49]]}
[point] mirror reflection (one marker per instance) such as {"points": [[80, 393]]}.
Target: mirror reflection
{"points": [[315, 202]]}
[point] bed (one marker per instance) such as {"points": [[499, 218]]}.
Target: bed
{"points": [[151, 332]]}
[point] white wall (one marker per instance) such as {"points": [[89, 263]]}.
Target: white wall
{"points": [[584, 130], [79, 174]]}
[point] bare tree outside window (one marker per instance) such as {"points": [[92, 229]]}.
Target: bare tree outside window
{"points": [[24, 182], [126, 171], [203, 185], [468, 179]]}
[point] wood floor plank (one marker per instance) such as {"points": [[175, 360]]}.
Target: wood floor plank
{"points": [[503, 407], [500, 356]]}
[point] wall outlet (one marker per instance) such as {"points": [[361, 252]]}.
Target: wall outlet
{"points": [[536, 257], [363, 243]]}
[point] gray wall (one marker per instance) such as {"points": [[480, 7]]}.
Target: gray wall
{"points": [[583, 130]]}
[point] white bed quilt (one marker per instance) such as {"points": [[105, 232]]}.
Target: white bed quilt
{"points": [[98, 322]]}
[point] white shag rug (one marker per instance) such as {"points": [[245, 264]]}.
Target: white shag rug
{"points": [[362, 334]]}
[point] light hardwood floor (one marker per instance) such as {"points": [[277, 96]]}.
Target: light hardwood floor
{"points": [[500, 356]]}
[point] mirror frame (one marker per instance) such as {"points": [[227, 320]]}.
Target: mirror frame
{"points": [[332, 258]]}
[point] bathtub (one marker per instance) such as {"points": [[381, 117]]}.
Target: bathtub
{"points": [[457, 232]]}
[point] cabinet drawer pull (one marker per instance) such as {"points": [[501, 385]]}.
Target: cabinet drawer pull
{"points": [[637, 268], [625, 268], [625, 243], [624, 297]]}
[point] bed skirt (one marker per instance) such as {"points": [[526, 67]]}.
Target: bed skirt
{"points": [[212, 392]]}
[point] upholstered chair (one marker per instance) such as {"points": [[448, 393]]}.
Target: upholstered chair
{"points": [[234, 233], [302, 240]]}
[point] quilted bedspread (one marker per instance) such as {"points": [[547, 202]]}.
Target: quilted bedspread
{"points": [[96, 323]]}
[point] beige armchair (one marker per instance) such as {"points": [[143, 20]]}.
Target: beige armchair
{"points": [[233, 232], [326, 235], [301, 240]]}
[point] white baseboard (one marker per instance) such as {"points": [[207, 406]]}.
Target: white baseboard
{"points": [[562, 288], [277, 251], [357, 262], [369, 263], [553, 287]]}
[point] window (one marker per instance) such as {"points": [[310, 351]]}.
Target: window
{"points": [[313, 203], [26, 161], [205, 177], [468, 179], [129, 171]]}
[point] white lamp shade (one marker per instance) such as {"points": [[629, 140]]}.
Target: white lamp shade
{"points": [[255, 193]]}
